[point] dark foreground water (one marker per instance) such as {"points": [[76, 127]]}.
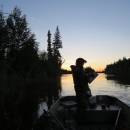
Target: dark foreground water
{"points": [[102, 85]]}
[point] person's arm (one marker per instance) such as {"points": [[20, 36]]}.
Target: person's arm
{"points": [[85, 77]]}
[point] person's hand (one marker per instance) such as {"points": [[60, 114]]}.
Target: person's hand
{"points": [[91, 75]]}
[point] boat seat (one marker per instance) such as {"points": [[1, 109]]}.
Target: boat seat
{"points": [[69, 104], [67, 110]]}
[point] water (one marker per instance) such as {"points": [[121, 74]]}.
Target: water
{"points": [[100, 86]]}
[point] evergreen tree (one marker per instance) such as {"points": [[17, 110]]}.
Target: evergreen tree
{"points": [[57, 44], [2, 36], [49, 47], [120, 68]]}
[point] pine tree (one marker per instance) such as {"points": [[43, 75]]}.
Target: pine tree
{"points": [[49, 46], [57, 44]]}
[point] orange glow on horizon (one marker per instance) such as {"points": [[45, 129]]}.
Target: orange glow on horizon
{"points": [[96, 66], [96, 69]]}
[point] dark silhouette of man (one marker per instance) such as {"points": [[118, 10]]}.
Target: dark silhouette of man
{"points": [[80, 79]]}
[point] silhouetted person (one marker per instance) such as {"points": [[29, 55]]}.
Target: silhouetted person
{"points": [[80, 79]]}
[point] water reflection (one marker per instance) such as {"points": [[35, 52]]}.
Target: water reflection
{"points": [[118, 81], [100, 86], [53, 92], [67, 85]]}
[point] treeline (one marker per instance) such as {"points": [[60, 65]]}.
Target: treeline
{"points": [[24, 70], [120, 68], [88, 70]]}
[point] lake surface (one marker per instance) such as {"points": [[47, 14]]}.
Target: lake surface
{"points": [[100, 86]]}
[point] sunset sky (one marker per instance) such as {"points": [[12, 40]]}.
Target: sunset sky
{"points": [[96, 30]]}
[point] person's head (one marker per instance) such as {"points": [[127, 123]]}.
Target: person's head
{"points": [[80, 62]]}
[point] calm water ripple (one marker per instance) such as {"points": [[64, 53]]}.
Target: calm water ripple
{"points": [[100, 86]]}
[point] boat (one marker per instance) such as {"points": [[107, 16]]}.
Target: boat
{"points": [[108, 113]]}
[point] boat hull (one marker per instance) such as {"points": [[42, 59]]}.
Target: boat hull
{"points": [[109, 112]]}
